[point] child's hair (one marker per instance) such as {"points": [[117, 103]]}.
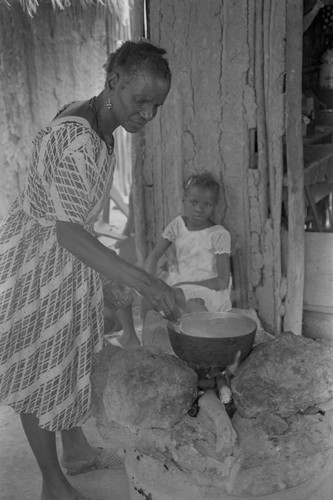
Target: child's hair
{"points": [[204, 181]]}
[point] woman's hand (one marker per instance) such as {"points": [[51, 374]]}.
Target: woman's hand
{"points": [[168, 302]]}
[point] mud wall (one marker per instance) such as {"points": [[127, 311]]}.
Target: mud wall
{"points": [[45, 61], [225, 113], [203, 124]]}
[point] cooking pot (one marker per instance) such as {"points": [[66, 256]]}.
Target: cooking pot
{"points": [[211, 340]]}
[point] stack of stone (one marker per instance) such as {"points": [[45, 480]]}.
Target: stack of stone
{"points": [[279, 443]]}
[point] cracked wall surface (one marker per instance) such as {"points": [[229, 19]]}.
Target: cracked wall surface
{"points": [[203, 123], [45, 62], [225, 113]]}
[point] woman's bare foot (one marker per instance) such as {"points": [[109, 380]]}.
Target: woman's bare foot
{"points": [[79, 456], [105, 459], [55, 485], [76, 448]]}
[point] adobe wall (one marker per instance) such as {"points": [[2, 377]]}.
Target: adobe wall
{"points": [[45, 62], [204, 123]]}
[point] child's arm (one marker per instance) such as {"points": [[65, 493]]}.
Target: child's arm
{"points": [[160, 248], [223, 279], [223, 270]]}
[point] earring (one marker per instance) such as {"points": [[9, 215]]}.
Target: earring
{"points": [[109, 104]]}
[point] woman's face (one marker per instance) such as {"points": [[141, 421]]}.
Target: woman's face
{"points": [[136, 100]]}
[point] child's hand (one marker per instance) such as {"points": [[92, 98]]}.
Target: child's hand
{"points": [[195, 305]]}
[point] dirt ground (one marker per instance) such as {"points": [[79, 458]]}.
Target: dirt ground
{"points": [[19, 473]]}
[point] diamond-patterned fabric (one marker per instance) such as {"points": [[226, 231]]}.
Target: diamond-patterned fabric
{"points": [[51, 304]]}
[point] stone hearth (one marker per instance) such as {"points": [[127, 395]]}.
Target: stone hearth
{"points": [[278, 445]]}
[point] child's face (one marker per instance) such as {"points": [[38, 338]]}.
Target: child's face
{"points": [[199, 204]]}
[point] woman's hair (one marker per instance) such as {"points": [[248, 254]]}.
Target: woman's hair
{"points": [[204, 181], [134, 56]]}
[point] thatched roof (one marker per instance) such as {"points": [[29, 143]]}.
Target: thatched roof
{"points": [[117, 7]]}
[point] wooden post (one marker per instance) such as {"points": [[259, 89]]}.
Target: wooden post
{"points": [[261, 110], [138, 141], [270, 24], [274, 70], [294, 150]]}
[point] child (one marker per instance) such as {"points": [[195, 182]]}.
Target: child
{"points": [[202, 247]]}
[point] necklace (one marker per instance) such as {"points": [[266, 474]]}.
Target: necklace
{"points": [[92, 104]]}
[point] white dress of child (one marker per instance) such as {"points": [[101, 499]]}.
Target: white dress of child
{"points": [[196, 261]]}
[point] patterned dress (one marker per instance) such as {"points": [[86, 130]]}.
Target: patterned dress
{"points": [[196, 261], [51, 304]]}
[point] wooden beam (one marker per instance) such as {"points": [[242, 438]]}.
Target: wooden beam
{"points": [[137, 19], [274, 71], [295, 167], [138, 142]]}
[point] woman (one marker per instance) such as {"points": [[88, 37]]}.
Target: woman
{"points": [[51, 300]]}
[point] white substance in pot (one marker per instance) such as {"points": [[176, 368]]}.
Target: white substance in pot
{"points": [[216, 325]]}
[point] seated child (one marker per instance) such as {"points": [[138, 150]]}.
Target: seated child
{"points": [[202, 247]]}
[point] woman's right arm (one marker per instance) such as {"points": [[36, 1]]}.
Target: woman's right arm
{"points": [[160, 248], [88, 249]]}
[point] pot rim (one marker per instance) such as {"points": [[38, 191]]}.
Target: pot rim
{"points": [[251, 323]]}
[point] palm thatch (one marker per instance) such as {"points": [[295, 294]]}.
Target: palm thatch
{"points": [[118, 7]]}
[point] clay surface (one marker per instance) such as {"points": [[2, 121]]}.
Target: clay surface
{"points": [[284, 376], [144, 390], [271, 448]]}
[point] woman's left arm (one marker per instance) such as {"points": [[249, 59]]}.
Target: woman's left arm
{"points": [[88, 249]]}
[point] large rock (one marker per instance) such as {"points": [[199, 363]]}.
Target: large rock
{"points": [[145, 390], [294, 465], [283, 376], [278, 454], [144, 397]]}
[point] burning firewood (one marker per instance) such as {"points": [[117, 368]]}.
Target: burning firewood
{"points": [[226, 435]]}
